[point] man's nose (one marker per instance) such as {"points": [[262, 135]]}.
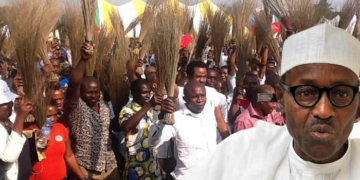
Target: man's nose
{"points": [[323, 109]]}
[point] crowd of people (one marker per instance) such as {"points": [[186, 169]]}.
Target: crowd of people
{"points": [[294, 118]]}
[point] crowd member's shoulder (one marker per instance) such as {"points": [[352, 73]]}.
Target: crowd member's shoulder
{"points": [[61, 129], [210, 90], [248, 151]]}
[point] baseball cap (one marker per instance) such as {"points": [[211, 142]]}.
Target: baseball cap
{"points": [[5, 94]]}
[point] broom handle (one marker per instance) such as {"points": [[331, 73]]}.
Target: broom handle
{"points": [[169, 117], [89, 41]]}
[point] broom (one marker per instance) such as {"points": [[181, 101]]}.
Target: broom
{"points": [[166, 45], [303, 14], [347, 13], [188, 16], [241, 11], [103, 47], [280, 9], [134, 23], [264, 35], [3, 28], [220, 27], [88, 9], [47, 25], [91, 65], [73, 25], [118, 91], [202, 39], [26, 36]]}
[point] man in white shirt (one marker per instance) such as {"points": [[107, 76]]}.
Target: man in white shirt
{"points": [[194, 131], [196, 70], [320, 96], [11, 138]]}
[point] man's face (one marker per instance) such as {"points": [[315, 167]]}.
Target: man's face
{"points": [[150, 74], [58, 96], [224, 74], [200, 75], [66, 72], [220, 88], [319, 132], [5, 110], [143, 96], [90, 94], [211, 78], [196, 99], [250, 82], [56, 65], [52, 113], [268, 107]]}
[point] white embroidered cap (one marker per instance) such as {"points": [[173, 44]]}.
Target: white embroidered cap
{"points": [[321, 44]]}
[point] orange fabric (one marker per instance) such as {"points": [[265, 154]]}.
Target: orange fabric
{"points": [[53, 167]]}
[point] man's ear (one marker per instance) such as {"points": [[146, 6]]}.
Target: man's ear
{"points": [[280, 97], [154, 86]]}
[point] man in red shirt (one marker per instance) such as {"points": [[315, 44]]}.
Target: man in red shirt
{"points": [[239, 105], [261, 108]]}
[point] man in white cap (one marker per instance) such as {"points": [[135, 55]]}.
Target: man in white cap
{"points": [[11, 138], [320, 87]]}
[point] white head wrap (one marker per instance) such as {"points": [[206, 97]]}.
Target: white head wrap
{"points": [[321, 44]]}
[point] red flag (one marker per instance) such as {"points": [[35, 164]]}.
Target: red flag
{"points": [[276, 27]]}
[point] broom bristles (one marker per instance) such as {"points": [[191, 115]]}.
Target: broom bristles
{"points": [[202, 39], [89, 8], [264, 35], [347, 13], [134, 23], [74, 28], [48, 24], [26, 34], [166, 44], [117, 90], [148, 18], [220, 27], [241, 11], [102, 49], [278, 7]]}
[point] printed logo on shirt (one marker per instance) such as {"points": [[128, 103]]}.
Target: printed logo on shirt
{"points": [[59, 138]]}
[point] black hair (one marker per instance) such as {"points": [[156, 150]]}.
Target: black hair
{"points": [[88, 80], [192, 65], [55, 59], [272, 80], [136, 85], [224, 67], [52, 103]]}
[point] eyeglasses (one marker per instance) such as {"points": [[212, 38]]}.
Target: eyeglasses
{"points": [[308, 95]]}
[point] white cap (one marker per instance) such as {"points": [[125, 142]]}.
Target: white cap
{"points": [[321, 44], [5, 94]]}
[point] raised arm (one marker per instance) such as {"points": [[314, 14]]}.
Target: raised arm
{"points": [[231, 62], [78, 73], [11, 147], [264, 58], [234, 107]]}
